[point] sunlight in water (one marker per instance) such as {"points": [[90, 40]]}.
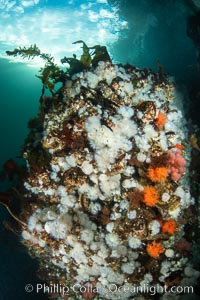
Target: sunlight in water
{"points": [[55, 25]]}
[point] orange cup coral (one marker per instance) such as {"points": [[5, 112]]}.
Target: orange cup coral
{"points": [[160, 121], [154, 249], [157, 173], [169, 226], [150, 196]]}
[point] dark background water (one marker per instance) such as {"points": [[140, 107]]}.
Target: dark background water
{"points": [[20, 91], [157, 33]]}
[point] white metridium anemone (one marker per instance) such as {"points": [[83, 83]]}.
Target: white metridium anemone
{"points": [[59, 227], [110, 185], [134, 242], [112, 240], [128, 267]]}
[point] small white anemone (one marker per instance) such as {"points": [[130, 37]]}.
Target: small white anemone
{"points": [[154, 227], [128, 267], [87, 236], [134, 242], [87, 167], [110, 185], [126, 111], [141, 157], [112, 240]]}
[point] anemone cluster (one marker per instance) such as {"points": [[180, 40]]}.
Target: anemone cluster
{"points": [[108, 187]]}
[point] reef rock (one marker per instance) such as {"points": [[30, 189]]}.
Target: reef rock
{"points": [[107, 186]]}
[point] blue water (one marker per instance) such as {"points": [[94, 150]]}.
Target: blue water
{"points": [[20, 91], [156, 32]]}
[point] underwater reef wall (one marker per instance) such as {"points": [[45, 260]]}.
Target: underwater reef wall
{"points": [[107, 186]]}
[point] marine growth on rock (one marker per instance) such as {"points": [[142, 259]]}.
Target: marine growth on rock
{"points": [[107, 186]]}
